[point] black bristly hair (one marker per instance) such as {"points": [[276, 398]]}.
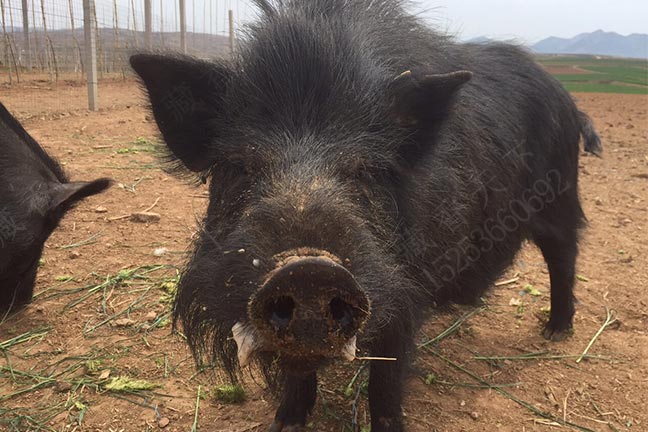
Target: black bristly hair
{"points": [[347, 126]]}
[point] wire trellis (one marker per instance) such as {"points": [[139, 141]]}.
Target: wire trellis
{"points": [[54, 44]]}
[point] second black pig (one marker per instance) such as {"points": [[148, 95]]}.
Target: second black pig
{"points": [[35, 194]]}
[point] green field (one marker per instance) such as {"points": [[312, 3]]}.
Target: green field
{"points": [[599, 74]]}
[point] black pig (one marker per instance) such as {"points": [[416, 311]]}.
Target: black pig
{"points": [[34, 196], [364, 169]]}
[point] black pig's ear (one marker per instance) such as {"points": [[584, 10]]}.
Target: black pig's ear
{"points": [[186, 96], [419, 96], [65, 195]]}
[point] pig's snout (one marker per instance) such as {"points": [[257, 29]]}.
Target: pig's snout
{"points": [[309, 306]]}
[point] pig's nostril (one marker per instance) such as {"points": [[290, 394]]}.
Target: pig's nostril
{"points": [[280, 312], [342, 312]]}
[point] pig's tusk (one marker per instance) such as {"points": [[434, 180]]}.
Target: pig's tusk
{"points": [[349, 350], [246, 341]]}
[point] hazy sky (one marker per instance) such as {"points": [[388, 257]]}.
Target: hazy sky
{"points": [[532, 20], [525, 20]]}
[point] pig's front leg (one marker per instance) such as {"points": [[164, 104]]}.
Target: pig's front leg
{"points": [[386, 380], [299, 394]]}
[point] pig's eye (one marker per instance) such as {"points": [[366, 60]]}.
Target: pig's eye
{"points": [[236, 168], [355, 170], [244, 162]]}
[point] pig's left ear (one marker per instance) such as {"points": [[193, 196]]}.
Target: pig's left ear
{"points": [[186, 97], [420, 96], [65, 195]]}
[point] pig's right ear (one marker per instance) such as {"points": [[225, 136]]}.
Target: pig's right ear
{"points": [[65, 195], [420, 97], [186, 97]]}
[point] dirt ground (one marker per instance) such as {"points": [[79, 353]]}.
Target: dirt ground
{"points": [[101, 310]]}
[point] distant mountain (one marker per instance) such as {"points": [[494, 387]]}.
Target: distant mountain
{"points": [[480, 40], [113, 47], [486, 40], [598, 42]]}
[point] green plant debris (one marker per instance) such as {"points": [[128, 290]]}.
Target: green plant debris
{"points": [[81, 409], [501, 391], [194, 426], [24, 337], [519, 311], [136, 276], [453, 328], [582, 278], [202, 393], [540, 355], [610, 318], [142, 280], [229, 394], [529, 289], [133, 165], [129, 385], [132, 188], [140, 145], [348, 392], [169, 290], [93, 366], [64, 278], [90, 240], [430, 379], [33, 419], [163, 322], [145, 142], [349, 388]]}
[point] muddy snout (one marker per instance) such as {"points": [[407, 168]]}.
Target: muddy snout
{"points": [[309, 306]]}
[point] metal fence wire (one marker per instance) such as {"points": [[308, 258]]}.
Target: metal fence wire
{"points": [[47, 36]]}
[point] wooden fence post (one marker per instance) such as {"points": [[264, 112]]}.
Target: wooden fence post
{"points": [[90, 53]]}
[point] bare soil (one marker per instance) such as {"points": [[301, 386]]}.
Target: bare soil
{"points": [[79, 334]]}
